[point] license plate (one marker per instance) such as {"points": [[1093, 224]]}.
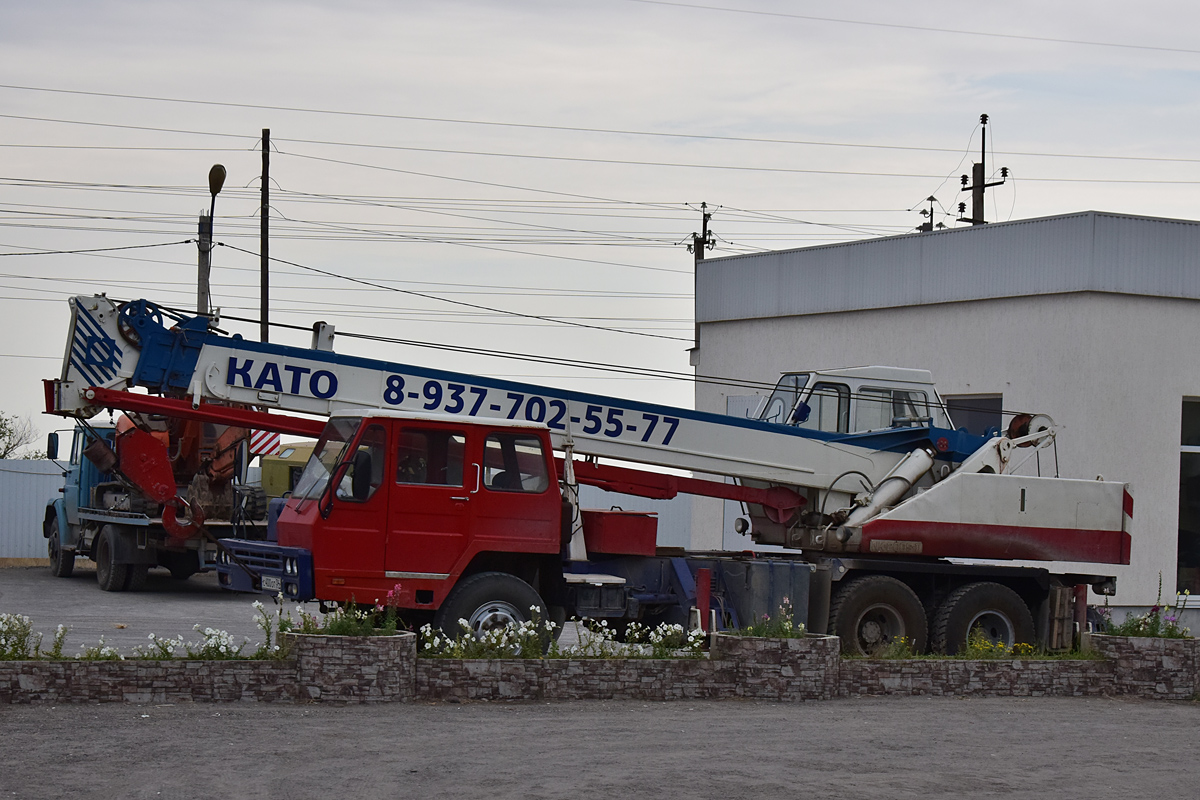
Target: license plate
{"points": [[271, 583]]}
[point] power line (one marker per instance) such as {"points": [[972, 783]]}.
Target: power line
{"points": [[536, 126], [923, 28], [458, 302], [97, 249]]}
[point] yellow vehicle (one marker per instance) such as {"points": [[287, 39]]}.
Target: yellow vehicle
{"points": [[280, 473]]}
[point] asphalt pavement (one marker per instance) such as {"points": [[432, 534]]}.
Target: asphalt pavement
{"points": [[166, 607]]}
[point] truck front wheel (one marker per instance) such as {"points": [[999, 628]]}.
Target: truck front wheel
{"points": [[62, 563], [995, 610], [109, 574], [870, 613], [486, 601]]}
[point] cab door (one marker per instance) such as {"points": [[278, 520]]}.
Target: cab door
{"points": [[350, 546], [429, 515]]}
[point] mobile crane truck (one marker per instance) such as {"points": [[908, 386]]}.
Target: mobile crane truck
{"points": [[448, 485], [103, 515]]}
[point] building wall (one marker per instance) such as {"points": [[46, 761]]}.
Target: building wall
{"points": [[25, 488], [1111, 369]]}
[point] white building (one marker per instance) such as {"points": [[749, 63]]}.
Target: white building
{"points": [[1092, 318]]}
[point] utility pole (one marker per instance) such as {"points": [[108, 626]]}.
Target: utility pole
{"points": [[979, 181], [216, 179], [263, 242], [703, 239]]}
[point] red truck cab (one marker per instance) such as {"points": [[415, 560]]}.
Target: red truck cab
{"points": [[394, 498]]}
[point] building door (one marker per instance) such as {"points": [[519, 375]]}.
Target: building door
{"points": [[1188, 564]]}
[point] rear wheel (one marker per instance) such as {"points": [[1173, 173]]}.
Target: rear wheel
{"points": [[486, 601], [996, 610], [109, 574], [876, 611], [62, 563]]}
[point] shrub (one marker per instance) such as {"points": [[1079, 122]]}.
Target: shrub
{"points": [[778, 626], [1160, 621]]}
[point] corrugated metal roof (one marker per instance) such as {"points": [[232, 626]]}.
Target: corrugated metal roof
{"points": [[25, 488], [1089, 251]]}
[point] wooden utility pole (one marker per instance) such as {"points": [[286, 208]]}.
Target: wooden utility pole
{"points": [[263, 240]]}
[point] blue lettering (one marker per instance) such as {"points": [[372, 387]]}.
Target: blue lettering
{"points": [[234, 372], [314, 384], [297, 373], [269, 377]]}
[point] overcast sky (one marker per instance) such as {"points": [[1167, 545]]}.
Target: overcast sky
{"points": [[545, 158]]}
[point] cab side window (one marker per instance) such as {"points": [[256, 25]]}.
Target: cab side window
{"points": [[431, 457], [828, 408], [514, 463], [365, 473], [878, 409]]}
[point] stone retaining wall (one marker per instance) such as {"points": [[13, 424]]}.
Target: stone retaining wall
{"points": [[386, 669], [350, 669], [976, 678], [1162, 668], [574, 679]]}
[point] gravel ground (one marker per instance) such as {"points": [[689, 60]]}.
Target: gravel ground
{"points": [[888, 747], [885, 748]]}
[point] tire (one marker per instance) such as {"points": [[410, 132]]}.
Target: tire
{"points": [[135, 577], [997, 609], [256, 504], [62, 563], [110, 575], [872, 612], [488, 600]]}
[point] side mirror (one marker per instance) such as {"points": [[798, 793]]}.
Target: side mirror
{"points": [[52, 446], [325, 504]]}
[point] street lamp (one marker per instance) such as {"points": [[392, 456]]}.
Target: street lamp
{"points": [[216, 180]]}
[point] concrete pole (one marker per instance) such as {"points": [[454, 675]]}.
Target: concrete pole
{"points": [[205, 245]]}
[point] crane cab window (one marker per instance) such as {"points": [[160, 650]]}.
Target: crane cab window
{"points": [[879, 409], [828, 407], [783, 399], [365, 473], [514, 463], [431, 457]]}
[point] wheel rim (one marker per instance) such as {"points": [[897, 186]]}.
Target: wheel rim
{"points": [[996, 627], [494, 614], [878, 626]]}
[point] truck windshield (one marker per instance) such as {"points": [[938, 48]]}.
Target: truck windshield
{"points": [[336, 436], [781, 402]]}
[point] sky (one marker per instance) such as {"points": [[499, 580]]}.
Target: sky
{"points": [[534, 169]]}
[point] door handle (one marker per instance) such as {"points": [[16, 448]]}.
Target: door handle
{"points": [[461, 499]]}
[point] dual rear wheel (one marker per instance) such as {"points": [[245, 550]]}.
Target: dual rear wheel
{"points": [[875, 612]]}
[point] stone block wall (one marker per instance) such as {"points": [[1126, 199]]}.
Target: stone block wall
{"points": [[782, 669], [574, 679], [171, 681], [361, 669], [386, 669], [1162, 668], [940, 677], [349, 669]]}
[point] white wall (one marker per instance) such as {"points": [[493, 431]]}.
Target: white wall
{"points": [[1111, 369], [25, 488]]}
